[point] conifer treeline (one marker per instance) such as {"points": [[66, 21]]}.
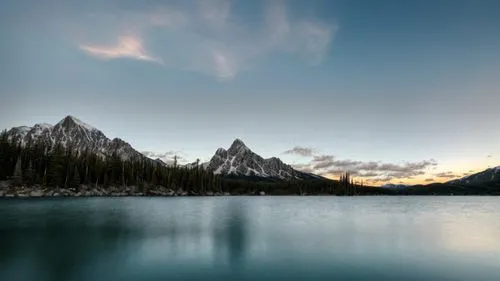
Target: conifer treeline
{"points": [[39, 163], [64, 167], [347, 185]]}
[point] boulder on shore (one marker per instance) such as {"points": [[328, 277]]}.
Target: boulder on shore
{"points": [[36, 193]]}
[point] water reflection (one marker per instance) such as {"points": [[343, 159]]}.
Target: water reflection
{"points": [[232, 234], [71, 240], [57, 243], [249, 239]]}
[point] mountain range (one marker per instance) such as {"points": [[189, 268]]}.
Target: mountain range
{"points": [[71, 131], [237, 161]]}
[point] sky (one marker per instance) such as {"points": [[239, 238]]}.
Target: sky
{"points": [[394, 91]]}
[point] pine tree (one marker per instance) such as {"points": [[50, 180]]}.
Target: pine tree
{"points": [[29, 175], [4, 151], [17, 177], [123, 174], [75, 181], [154, 178], [106, 180], [56, 170]]}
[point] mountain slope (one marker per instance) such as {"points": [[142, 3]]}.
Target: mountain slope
{"points": [[488, 175], [70, 131], [240, 161]]}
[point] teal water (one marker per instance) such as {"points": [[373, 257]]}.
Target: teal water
{"points": [[251, 238]]}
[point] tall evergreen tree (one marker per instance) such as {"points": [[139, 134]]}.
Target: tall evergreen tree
{"points": [[29, 175], [76, 180], [17, 177], [56, 171]]}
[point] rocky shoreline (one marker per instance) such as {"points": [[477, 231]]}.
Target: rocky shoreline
{"points": [[35, 191]]}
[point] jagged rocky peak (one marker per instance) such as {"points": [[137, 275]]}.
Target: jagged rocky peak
{"points": [[43, 126], [238, 143], [21, 129], [237, 146], [239, 160], [221, 152], [70, 122], [71, 131], [275, 159], [119, 141]]}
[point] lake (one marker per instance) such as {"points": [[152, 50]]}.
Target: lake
{"points": [[250, 238]]}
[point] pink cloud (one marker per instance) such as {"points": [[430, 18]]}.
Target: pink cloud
{"points": [[209, 38], [127, 47]]}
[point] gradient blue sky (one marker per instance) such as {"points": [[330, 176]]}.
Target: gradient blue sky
{"points": [[411, 85]]}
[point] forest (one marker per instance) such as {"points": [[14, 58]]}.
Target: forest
{"points": [[41, 165], [58, 167]]}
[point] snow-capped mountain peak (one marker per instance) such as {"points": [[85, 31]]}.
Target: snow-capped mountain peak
{"points": [[43, 126], [73, 132], [221, 151], [71, 122], [239, 160], [238, 145]]}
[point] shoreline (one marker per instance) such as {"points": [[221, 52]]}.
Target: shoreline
{"points": [[11, 190], [41, 192], [99, 193]]}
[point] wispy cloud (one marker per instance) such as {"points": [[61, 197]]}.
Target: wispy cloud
{"points": [[429, 180], [304, 168], [127, 47], [301, 151], [447, 175], [214, 13], [376, 172], [210, 37]]}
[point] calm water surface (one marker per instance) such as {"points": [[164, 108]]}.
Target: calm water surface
{"points": [[251, 238]]}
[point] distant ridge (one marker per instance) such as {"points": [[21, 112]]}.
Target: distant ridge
{"points": [[488, 175]]}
